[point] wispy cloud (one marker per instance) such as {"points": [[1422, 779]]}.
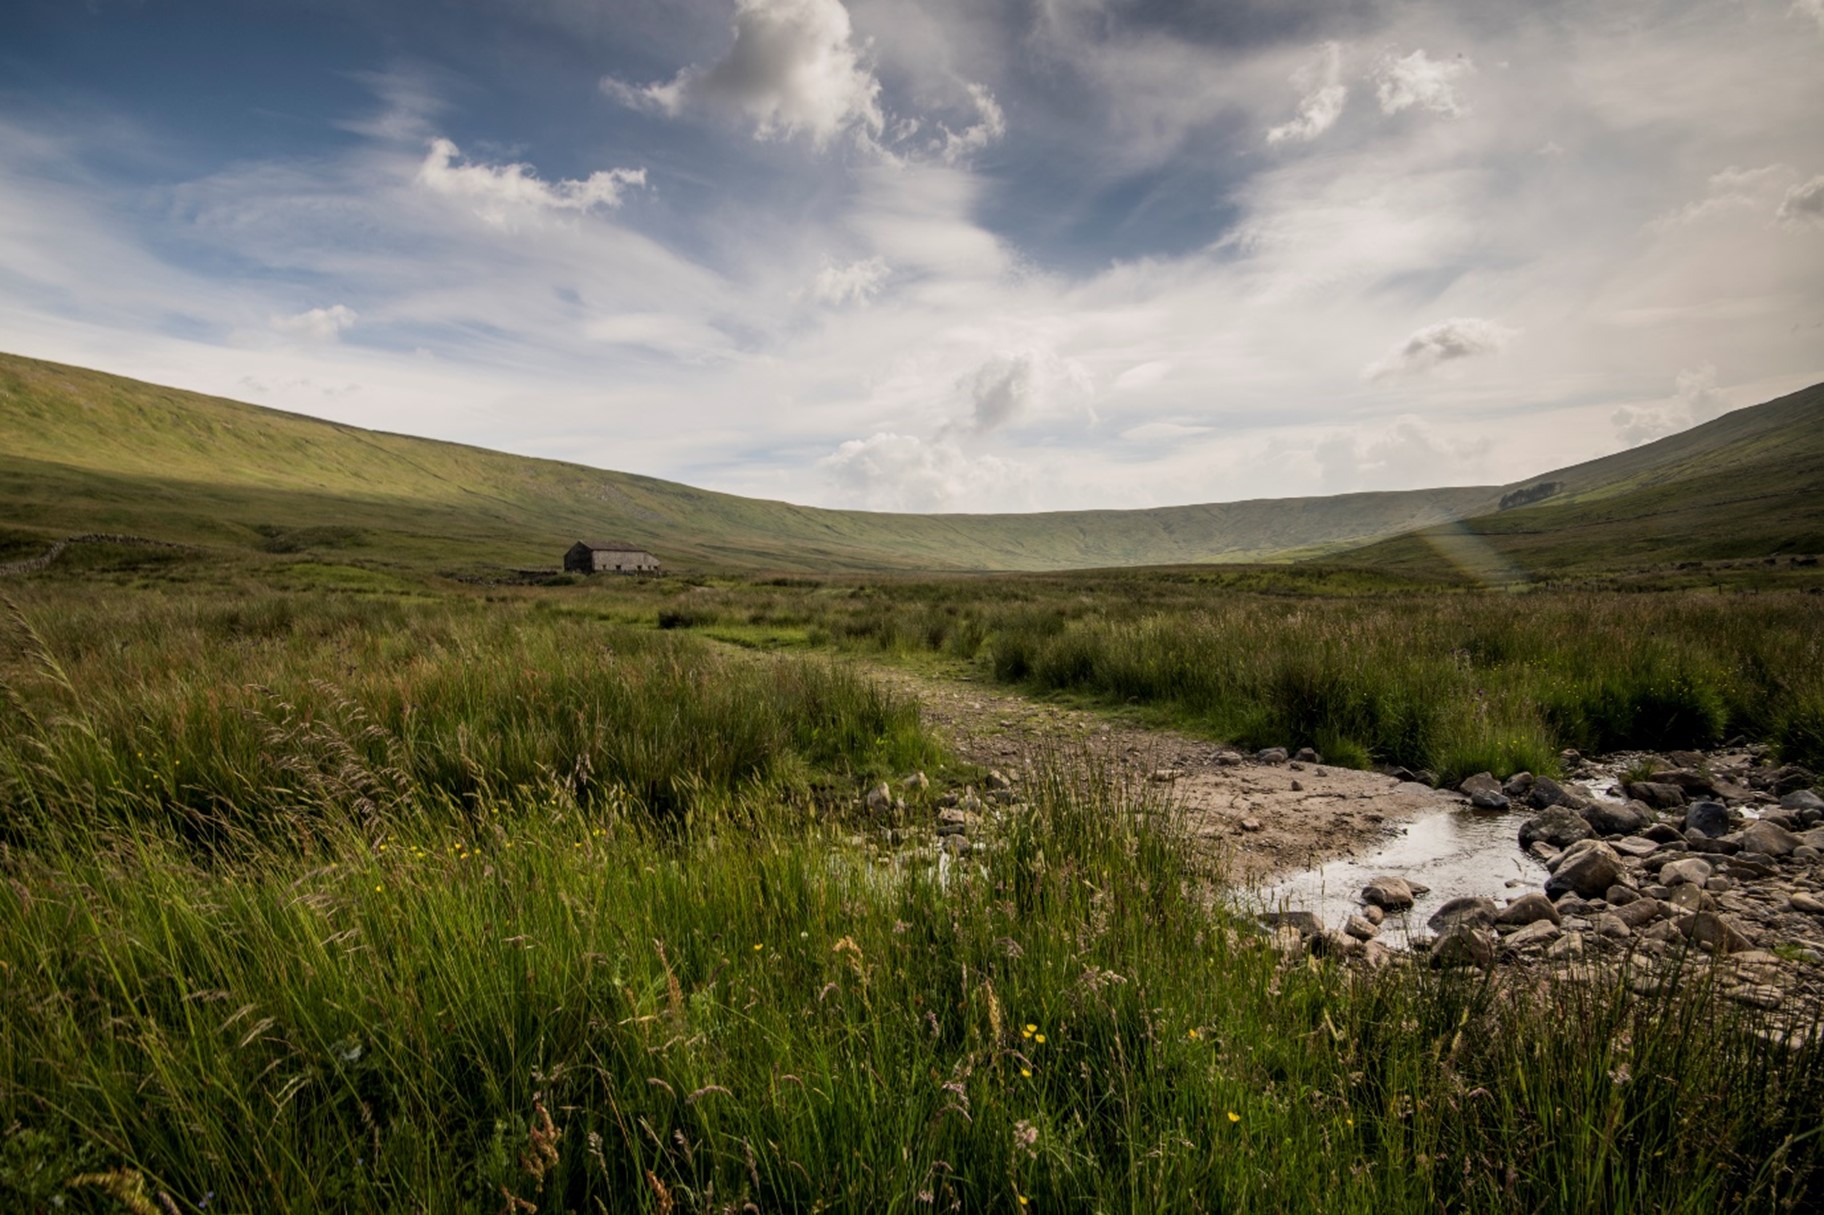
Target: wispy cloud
{"points": [[500, 194], [1462, 337], [1403, 82], [1323, 101]]}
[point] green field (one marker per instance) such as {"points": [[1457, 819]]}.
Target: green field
{"points": [[342, 870], [373, 897]]}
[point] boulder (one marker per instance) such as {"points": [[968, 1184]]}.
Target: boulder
{"points": [[1533, 936], [1713, 932], [1272, 755], [1308, 756], [1587, 870], [1613, 927], [1374, 915], [1546, 792], [1466, 912], [1388, 893], [1807, 902], [1527, 909], [1769, 839], [1618, 818], [1566, 948], [1663, 833], [1693, 784], [1640, 912], [1688, 896], [1557, 826], [1711, 818], [1518, 786], [1619, 895], [1792, 778], [1693, 869], [1634, 845], [1464, 947], [1685, 759], [1658, 795], [1802, 799], [1359, 928], [1484, 792]]}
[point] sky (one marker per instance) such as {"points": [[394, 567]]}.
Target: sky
{"points": [[959, 255]]}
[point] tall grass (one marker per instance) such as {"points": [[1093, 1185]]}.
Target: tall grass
{"points": [[304, 906], [1455, 682]]}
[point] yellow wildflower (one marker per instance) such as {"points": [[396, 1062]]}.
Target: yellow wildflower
{"points": [[1039, 1038], [1234, 1117]]}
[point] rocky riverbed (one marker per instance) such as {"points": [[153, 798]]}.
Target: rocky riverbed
{"points": [[1640, 857]]}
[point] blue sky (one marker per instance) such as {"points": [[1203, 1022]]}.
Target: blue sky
{"points": [[960, 255]]}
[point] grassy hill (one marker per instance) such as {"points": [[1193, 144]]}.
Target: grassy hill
{"points": [[1749, 484], [82, 451]]}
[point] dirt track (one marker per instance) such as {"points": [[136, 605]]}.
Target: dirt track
{"points": [[1245, 812]]}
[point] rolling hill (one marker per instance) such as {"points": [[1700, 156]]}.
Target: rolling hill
{"points": [[82, 451], [1747, 484]]}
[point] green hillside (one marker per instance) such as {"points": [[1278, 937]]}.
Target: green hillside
{"points": [[1749, 484], [82, 451]]}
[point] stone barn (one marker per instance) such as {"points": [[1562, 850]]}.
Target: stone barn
{"points": [[609, 557]]}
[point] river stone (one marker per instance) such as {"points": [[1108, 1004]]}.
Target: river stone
{"points": [[1656, 794], [1304, 922], [1528, 909], [1694, 869], [1802, 799], [1807, 902], [1713, 931], [1566, 948], [1805, 852], [1711, 818], [1617, 818], [1634, 846], [1539, 932], [1768, 839], [1664, 833], [1587, 870], [1792, 778], [1272, 755], [1466, 912], [1359, 928], [1558, 827], [1619, 895], [1388, 893], [1464, 947], [1613, 927], [1640, 912], [1374, 915], [1689, 896], [1484, 792], [1518, 785], [1545, 793], [1307, 755]]}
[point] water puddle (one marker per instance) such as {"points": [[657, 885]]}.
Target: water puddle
{"points": [[1456, 853]]}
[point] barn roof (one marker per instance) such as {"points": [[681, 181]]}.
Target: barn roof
{"points": [[611, 546]]}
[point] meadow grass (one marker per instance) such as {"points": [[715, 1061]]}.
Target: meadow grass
{"points": [[320, 902], [1453, 681]]}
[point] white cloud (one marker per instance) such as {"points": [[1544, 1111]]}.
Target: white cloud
{"points": [[1730, 190], [1419, 80], [1323, 101], [318, 324], [1813, 9], [1167, 431], [1804, 203], [1695, 400], [1019, 385], [499, 193], [990, 125], [1383, 457], [1445, 342], [890, 471], [793, 69], [854, 283]]}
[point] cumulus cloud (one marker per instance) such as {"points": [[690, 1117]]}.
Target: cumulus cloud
{"points": [[1419, 80], [1016, 385], [1445, 342], [1804, 203], [1728, 190], [854, 283], [890, 471], [990, 125], [318, 324], [794, 69], [1323, 101], [1397, 454], [499, 193], [1695, 400]]}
